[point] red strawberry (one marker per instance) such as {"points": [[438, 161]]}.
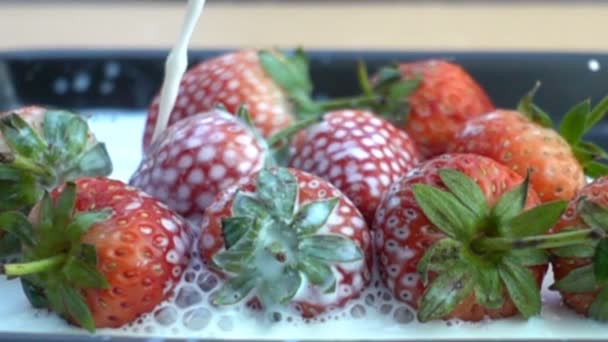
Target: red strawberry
{"points": [[580, 271], [196, 158], [99, 252], [237, 78], [273, 87], [41, 148], [446, 97], [524, 141], [449, 236], [286, 237], [357, 152]]}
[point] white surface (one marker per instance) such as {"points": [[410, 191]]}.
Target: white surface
{"points": [[123, 137]]}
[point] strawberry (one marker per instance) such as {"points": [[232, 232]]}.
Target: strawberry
{"points": [[357, 152], [285, 237], [443, 97], [271, 85], [276, 90], [197, 157], [98, 252], [581, 271], [457, 237], [42, 148], [524, 141]]}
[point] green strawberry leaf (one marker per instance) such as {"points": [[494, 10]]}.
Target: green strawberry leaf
{"points": [[9, 245], [9, 173], [280, 290], [243, 114], [235, 289], [21, 138], [330, 248], [595, 169], [234, 260], [35, 294], [488, 288], [400, 90], [19, 194], [87, 253], [278, 190], [535, 221], [66, 135], [15, 223], [94, 162], [54, 298], [387, 76], [285, 135], [312, 216], [245, 205], [64, 206], [521, 286], [445, 293], [45, 220], [363, 77], [511, 203], [600, 261], [583, 250], [573, 124], [76, 307], [530, 257], [81, 222], [318, 273], [440, 257], [597, 113], [237, 258], [445, 211], [587, 151], [532, 111], [594, 215], [84, 275], [599, 308], [466, 190], [292, 74], [580, 280], [234, 228]]}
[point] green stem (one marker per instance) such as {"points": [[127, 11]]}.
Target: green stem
{"points": [[289, 131], [20, 269], [363, 77], [350, 102], [497, 244]]}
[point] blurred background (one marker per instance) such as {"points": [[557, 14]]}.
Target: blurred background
{"points": [[575, 25]]}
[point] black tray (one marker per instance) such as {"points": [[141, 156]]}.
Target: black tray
{"points": [[129, 79]]}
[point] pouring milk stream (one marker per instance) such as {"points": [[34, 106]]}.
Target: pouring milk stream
{"points": [[175, 66]]}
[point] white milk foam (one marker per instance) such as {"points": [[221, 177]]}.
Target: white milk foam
{"points": [[376, 315]]}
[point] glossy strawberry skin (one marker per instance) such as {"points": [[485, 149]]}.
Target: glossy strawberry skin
{"points": [[596, 192], [403, 233], [345, 221], [196, 158], [358, 153], [142, 250], [232, 79], [446, 98], [515, 141]]}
